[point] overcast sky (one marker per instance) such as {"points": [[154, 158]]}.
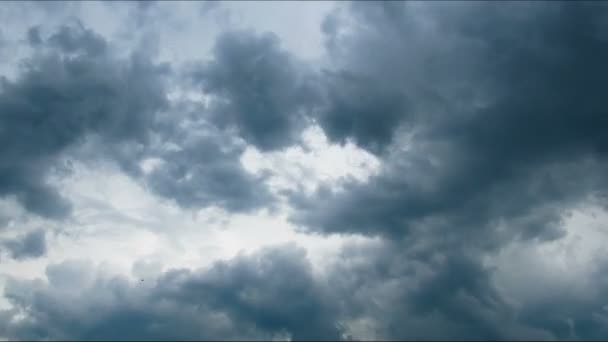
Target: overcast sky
{"points": [[303, 170]]}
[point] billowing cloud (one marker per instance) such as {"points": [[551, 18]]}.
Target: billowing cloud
{"points": [[265, 295], [500, 136], [70, 89], [29, 245], [257, 89], [507, 127], [487, 128], [370, 291], [201, 168], [75, 97]]}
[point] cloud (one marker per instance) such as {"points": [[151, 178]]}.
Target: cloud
{"points": [[506, 129], [498, 137], [264, 295], [203, 169], [257, 89], [29, 245], [74, 98], [66, 92], [370, 291], [488, 121]]}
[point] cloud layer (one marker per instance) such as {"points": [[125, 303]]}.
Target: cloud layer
{"points": [[486, 119], [269, 294]]}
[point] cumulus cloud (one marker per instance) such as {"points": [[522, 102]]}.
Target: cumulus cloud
{"points": [[514, 132], [487, 122], [202, 168], [29, 245], [74, 97], [71, 89], [500, 136], [371, 291], [268, 294], [257, 89]]}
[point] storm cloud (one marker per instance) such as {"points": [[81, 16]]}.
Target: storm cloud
{"points": [[258, 89], [75, 99], [374, 291], [203, 169], [70, 89], [269, 294], [29, 245], [515, 132], [487, 121]]}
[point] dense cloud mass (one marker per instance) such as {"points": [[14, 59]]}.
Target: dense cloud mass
{"points": [[74, 91], [258, 89], [373, 292], [29, 245], [68, 90], [204, 169], [516, 130], [487, 120], [266, 295]]}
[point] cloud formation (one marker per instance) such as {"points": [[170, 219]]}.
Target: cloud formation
{"points": [[75, 98], [29, 245], [265, 295], [202, 168], [507, 126], [257, 89], [487, 119], [70, 89], [371, 291]]}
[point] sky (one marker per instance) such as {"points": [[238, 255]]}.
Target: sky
{"points": [[303, 170]]}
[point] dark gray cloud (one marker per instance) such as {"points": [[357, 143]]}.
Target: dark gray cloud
{"points": [[414, 293], [362, 109], [75, 98], [203, 169], [380, 291], [498, 134], [404, 296], [29, 245], [70, 89], [507, 126], [468, 66], [257, 89], [489, 122], [261, 296]]}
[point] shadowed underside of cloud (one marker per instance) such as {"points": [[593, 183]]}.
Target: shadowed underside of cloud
{"points": [[261, 296], [506, 122], [203, 169], [371, 292], [414, 293], [500, 130]]}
